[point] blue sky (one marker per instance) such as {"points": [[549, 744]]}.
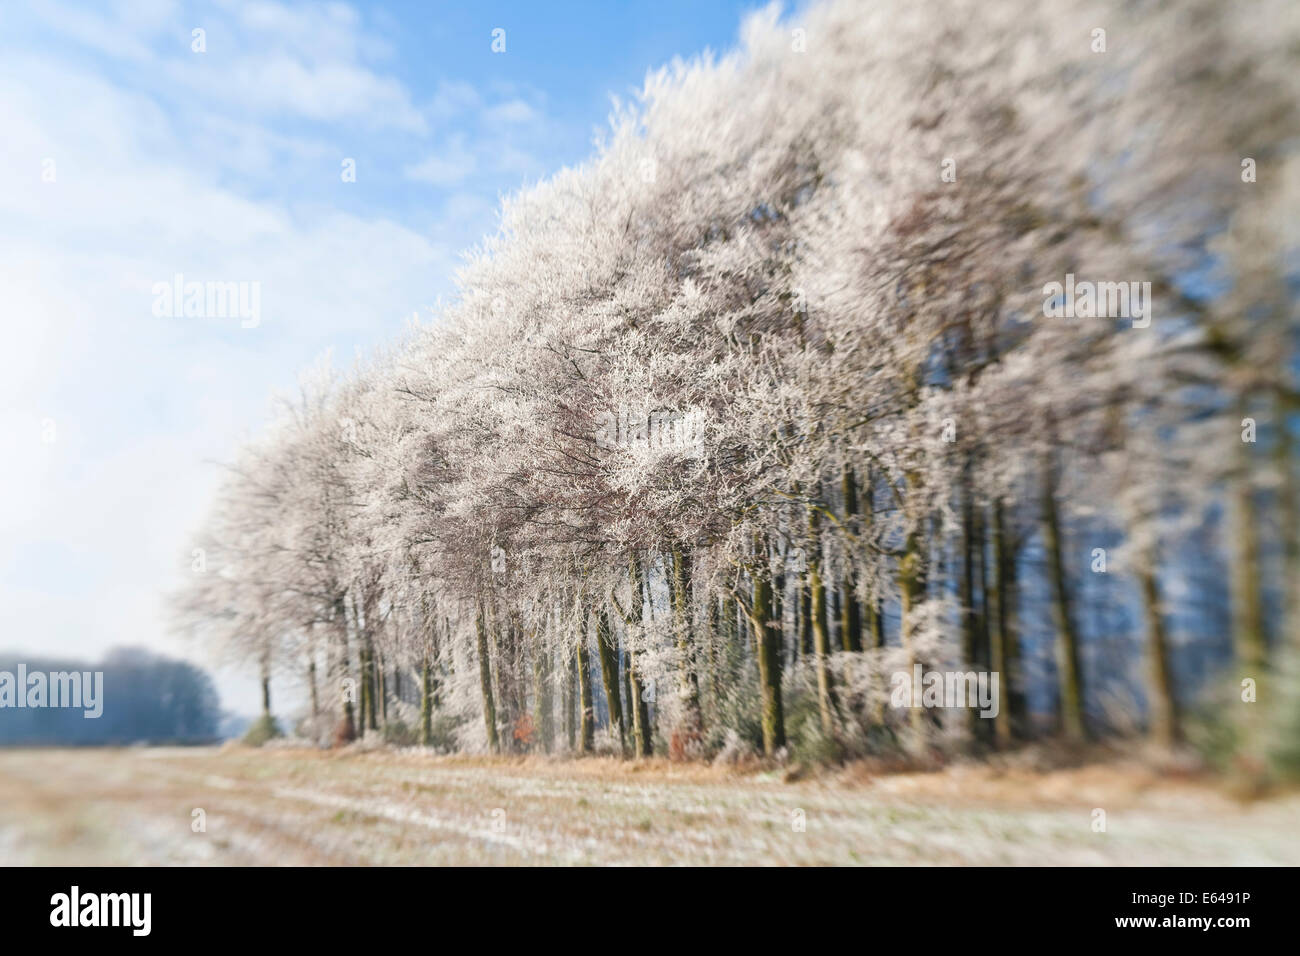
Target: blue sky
{"points": [[128, 158]]}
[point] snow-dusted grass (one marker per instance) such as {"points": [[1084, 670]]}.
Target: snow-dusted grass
{"points": [[307, 807]]}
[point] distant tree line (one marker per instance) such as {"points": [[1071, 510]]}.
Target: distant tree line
{"points": [[146, 698]]}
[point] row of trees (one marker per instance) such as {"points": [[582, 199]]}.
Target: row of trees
{"points": [[137, 697], [770, 400]]}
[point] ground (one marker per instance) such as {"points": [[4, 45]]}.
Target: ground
{"points": [[303, 807]]}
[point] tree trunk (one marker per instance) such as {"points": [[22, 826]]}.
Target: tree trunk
{"points": [[688, 682], [804, 641], [875, 607], [769, 653], [1163, 706], [500, 625], [372, 683], [608, 655], [587, 715], [640, 710], [266, 688], [349, 729], [485, 683], [911, 586], [850, 608], [544, 718], [1067, 639], [1289, 512], [733, 648], [966, 583], [570, 704], [629, 705], [1004, 651], [983, 629], [826, 703], [974, 593], [363, 696], [363, 665], [426, 703], [1248, 610], [311, 683], [1250, 646], [714, 635]]}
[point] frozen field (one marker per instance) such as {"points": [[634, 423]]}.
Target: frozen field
{"points": [[297, 807]]}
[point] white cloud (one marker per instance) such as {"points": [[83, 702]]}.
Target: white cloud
{"points": [[514, 111], [316, 33], [115, 32], [276, 83], [449, 165], [310, 61], [452, 99], [516, 162]]}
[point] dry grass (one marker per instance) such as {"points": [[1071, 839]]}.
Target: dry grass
{"points": [[286, 806]]}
